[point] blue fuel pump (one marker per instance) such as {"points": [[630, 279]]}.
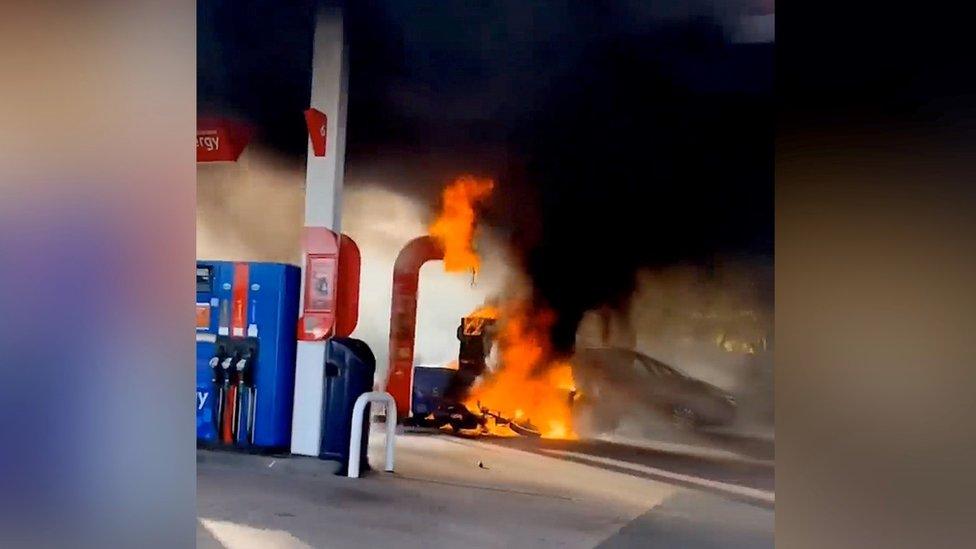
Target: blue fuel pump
{"points": [[246, 335]]}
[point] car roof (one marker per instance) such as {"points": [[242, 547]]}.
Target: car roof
{"points": [[647, 361]]}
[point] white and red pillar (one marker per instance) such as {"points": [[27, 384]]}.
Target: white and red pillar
{"points": [[323, 208]]}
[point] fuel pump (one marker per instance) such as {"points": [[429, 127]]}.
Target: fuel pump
{"points": [[475, 336], [246, 348]]}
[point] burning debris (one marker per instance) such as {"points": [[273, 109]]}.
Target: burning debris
{"points": [[526, 395]]}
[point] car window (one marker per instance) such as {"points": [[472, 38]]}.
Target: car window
{"points": [[639, 368], [655, 368], [648, 365]]}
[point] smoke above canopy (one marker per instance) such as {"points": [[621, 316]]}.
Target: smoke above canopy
{"points": [[635, 163], [619, 138]]}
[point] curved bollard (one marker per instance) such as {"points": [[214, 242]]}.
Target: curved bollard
{"points": [[356, 438]]}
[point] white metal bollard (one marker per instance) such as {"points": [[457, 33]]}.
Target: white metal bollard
{"points": [[356, 438]]}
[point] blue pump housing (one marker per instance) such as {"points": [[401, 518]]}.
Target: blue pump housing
{"points": [[270, 319]]}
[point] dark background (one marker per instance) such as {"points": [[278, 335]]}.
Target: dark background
{"points": [[621, 135]]}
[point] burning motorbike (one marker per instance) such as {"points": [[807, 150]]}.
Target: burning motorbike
{"points": [[448, 410]]}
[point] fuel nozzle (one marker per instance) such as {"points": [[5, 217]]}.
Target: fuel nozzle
{"points": [[215, 364], [225, 366], [244, 393], [241, 365]]}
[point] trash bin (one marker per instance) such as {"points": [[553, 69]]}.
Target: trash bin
{"points": [[349, 370]]}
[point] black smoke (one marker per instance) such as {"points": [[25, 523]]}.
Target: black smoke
{"points": [[656, 150], [621, 137]]}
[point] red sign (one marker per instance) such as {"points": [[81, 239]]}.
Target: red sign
{"points": [[220, 139], [317, 123]]}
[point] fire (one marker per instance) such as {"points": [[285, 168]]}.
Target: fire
{"points": [[561, 375], [485, 311], [455, 225], [528, 386]]}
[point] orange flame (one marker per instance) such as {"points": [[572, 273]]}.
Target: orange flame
{"points": [[528, 387], [485, 311], [455, 225]]}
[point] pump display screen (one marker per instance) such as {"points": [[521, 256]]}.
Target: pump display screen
{"points": [[204, 279], [203, 316]]}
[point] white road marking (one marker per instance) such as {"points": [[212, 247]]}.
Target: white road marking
{"points": [[240, 536], [734, 489]]}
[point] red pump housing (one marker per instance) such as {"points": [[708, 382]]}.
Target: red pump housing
{"points": [[330, 296]]}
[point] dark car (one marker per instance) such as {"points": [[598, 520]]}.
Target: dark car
{"points": [[615, 381]]}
